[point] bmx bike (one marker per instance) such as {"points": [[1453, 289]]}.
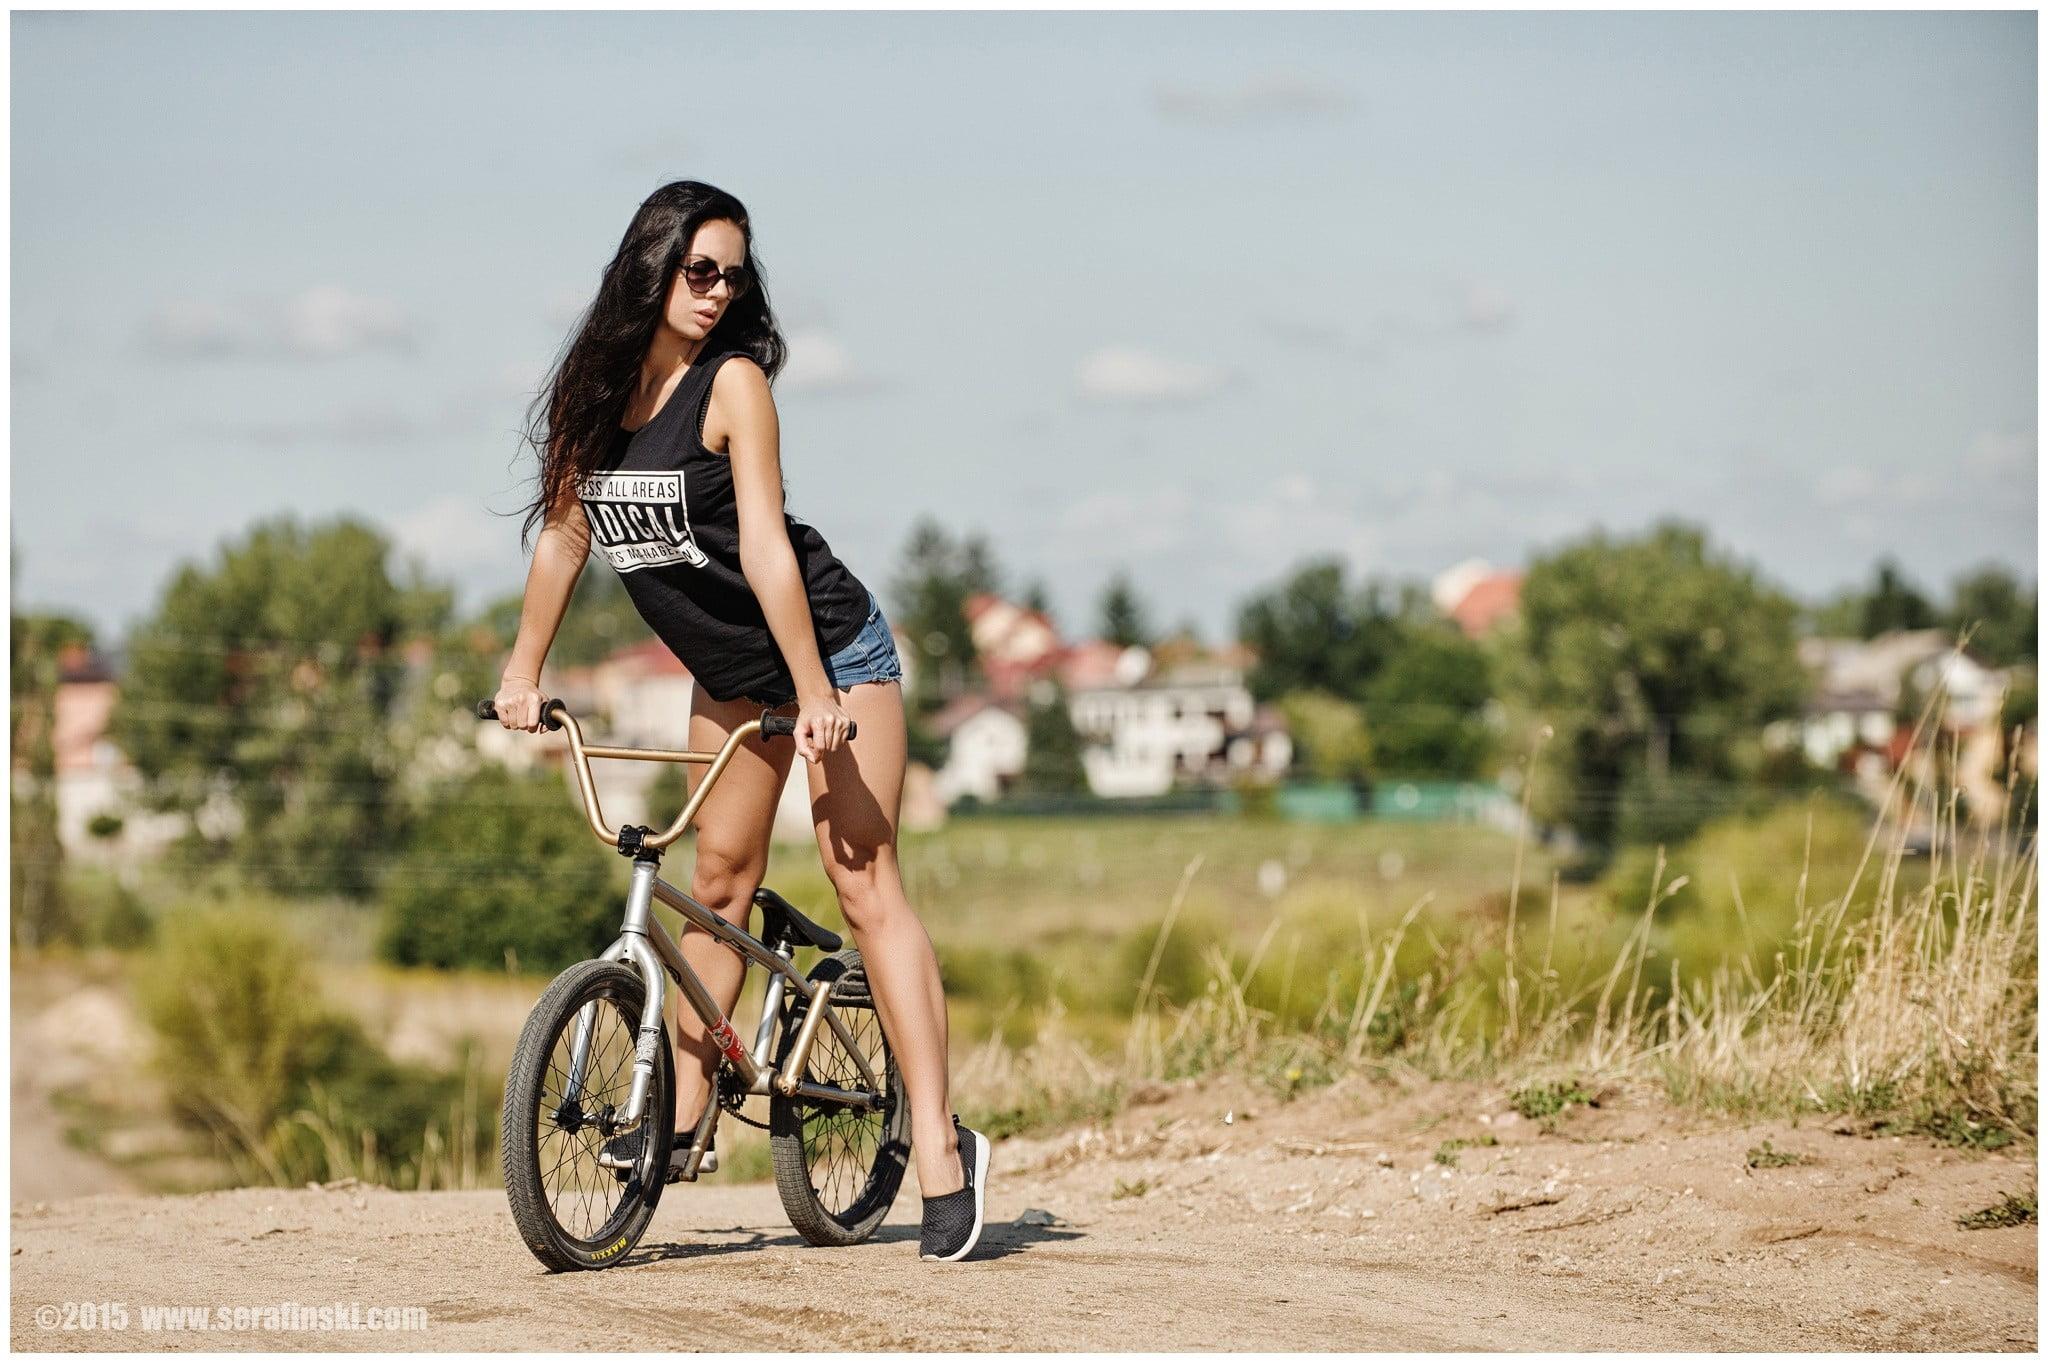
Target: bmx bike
{"points": [[594, 1062]]}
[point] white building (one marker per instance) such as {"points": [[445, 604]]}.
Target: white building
{"points": [[1194, 721], [1853, 720], [985, 750], [1858, 684]]}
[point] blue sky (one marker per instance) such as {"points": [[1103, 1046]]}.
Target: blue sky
{"points": [[1192, 295]]}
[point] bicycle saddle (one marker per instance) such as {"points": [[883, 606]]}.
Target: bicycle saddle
{"points": [[779, 919]]}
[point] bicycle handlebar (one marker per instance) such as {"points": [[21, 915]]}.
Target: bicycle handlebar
{"points": [[488, 709], [555, 715], [772, 726]]}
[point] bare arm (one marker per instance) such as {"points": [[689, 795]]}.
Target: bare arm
{"points": [[766, 558], [559, 554]]}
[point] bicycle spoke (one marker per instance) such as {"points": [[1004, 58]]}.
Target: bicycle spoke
{"points": [[585, 1195], [842, 1144]]}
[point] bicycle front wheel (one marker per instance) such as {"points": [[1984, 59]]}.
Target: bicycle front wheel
{"points": [[838, 1168], [573, 1212]]}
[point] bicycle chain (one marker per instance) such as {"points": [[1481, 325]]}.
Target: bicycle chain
{"points": [[731, 1096]]}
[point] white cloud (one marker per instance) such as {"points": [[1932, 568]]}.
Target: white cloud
{"points": [[1131, 526], [454, 534], [1126, 374], [1484, 307], [195, 329], [2002, 453], [519, 378], [327, 321], [818, 363], [564, 307], [322, 322], [1269, 94], [358, 426]]}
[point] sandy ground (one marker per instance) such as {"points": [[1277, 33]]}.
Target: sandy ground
{"points": [[1202, 1218]]}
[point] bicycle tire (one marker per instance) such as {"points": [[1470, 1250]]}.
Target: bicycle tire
{"points": [[532, 1117], [865, 1184]]}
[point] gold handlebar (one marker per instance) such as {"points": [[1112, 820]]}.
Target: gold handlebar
{"points": [[580, 754]]}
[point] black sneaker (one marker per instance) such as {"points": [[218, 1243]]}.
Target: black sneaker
{"points": [[621, 1153], [952, 1221]]}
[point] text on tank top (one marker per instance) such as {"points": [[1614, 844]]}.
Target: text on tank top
{"points": [[662, 512]]}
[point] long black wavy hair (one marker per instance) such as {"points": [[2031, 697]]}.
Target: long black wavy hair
{"points": [[575, 417]]}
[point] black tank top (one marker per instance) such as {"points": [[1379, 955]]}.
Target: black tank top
{"points": [[662, 512]]}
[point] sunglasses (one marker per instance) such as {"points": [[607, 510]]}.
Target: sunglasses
{"points": [[702, 274]]}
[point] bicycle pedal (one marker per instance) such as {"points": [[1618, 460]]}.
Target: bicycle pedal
{"points": [[681, 1157]]}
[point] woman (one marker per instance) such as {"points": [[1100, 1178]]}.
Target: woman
{"points": [[659, 445]]}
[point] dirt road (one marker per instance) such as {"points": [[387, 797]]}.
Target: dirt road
{"points": [[1201, 1219]]}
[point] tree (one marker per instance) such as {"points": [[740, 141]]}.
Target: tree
{"points": [[1123, 615], [35, 869], [1894, 603], [1052, 746], [600, 620], [1426, 707], [1329, 735], [272, 678], [1313, 634], [2002, 620], [978, 570], [497, 871], [1837, 617], [1648, 655], [1035, 598], [930, 593]]}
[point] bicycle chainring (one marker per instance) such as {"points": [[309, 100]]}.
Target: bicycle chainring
{"points": [[732, 1095]]}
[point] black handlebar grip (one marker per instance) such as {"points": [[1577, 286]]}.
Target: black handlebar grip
{"points": [[488, 709], [784, 726]]}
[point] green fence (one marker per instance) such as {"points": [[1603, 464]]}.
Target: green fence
{"points": [[1460, 801]]}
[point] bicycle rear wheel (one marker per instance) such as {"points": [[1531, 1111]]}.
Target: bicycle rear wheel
{"points": [[838, 1168], [573, 1212]]}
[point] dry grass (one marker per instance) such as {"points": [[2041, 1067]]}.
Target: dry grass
{"points": [[1917, 1006]]}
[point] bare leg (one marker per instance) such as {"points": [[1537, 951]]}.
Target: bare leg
{"points": [[855, 797], [732, 856]]}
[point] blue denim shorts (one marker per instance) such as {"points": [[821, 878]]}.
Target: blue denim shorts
{"points": [[871, 657]]}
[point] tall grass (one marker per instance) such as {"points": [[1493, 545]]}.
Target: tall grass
{"points": [[288, 1090], [1903, 990]]}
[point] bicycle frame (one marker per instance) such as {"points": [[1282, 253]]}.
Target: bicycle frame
{"points": [[645, 944]]}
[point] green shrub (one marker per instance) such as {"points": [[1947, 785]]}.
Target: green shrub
{"points": [[1764, 1157], [2016, 1210], [234, 1008], [1763, 857], [1548, 1100], [103, 912], [501, 870], [288, 1090], [1182, 971]]}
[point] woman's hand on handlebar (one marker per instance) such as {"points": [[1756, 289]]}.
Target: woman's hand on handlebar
{"points": [[820, 727], [518, 702]]}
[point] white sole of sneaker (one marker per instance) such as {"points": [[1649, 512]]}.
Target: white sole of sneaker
{"points": [[675, 1165], [980, 1191]]}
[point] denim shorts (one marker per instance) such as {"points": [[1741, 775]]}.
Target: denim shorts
{"points": [[871, 657]]}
